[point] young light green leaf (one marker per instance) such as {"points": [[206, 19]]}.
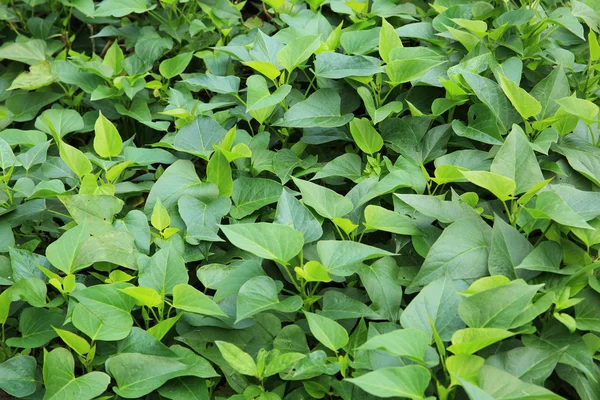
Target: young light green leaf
{"points": [[75, 159], [581, 108], [144, 296], [297, 51], [107, 141], [523, 102], [172, 67], [239, 360], [74, 341], [501, 186], [160, 216], [388, 40], [471, 340], [365, 136], [187, 298], [218, 171]]}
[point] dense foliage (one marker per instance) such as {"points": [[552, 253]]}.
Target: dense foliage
{"points": [[299, 200]]}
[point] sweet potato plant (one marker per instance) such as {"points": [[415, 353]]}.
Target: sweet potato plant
{"points": [[299, 199]]}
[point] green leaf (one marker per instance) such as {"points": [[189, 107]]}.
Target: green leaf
{"points": [[122, 8], [410, 63], [409, 382], [492, 96], [7, 157], [337, 66], [187, 387], [60, 380], [172, 67], [139, 374], [277, 363], [383, 286], [261, 294], [165, 269], [251, 194], [344, 258], [565, 18], [18, 376], [199, 137], [202, 218], [159, 330], [215, 83], [498, 307], [482, 125], [293, 213], [266, 68], [178, 180], [28, 51], [515, 160], [36, 327], [39, 75], [331, 334], [465, 367], [63, 252], [5, 300], [523, 102], [30, 290], [584, 109], [437, 302], [434, 207], [547, 256], [186, 298], [409, 343], [59, 122], [502, 385], [271, 241], [382, 219], [461, 252], [259, 96], [320, 110], [549, 205], [526, 363], [324, 201], [508, 249], [107, 141], [365, 136], [103, 312], [550, 89]]}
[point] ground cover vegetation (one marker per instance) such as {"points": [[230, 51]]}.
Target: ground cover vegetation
{"points": [[311, 199]]}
